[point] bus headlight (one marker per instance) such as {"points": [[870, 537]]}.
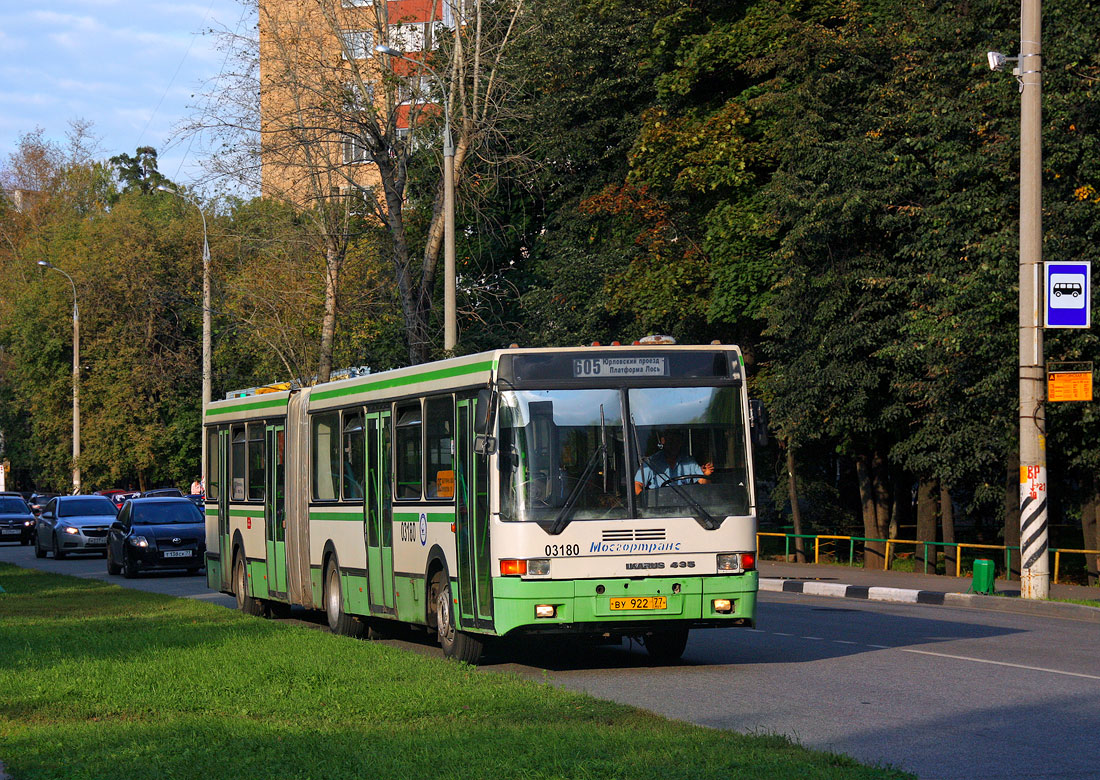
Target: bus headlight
{"points": [[723, 606], [545, 610], [736, 562], [540, 566]]}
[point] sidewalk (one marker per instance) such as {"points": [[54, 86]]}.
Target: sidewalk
{"points": [[902, 587]]}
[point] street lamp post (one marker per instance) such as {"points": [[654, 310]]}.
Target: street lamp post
{"points": [[450, 326], [76, 377], [207, 348]]}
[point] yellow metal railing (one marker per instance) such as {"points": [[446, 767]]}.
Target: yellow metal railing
{"points": [[958, 546]]}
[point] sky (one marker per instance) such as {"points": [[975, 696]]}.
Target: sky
{"points": [[132, 68]]}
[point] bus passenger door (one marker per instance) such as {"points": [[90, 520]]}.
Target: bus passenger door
{"points": [[377, 505], [224, 542], [275, 508], [475, 585]]}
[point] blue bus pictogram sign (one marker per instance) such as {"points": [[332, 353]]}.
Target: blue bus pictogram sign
{"points": [[1068, 295]]}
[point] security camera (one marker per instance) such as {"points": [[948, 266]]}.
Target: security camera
{"points": [[996, 60]]}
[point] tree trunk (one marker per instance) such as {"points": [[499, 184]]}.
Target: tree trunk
{"points": [[927, 495], [880, 473], [328, 319], [874, 494], [1012, 515], [796, 512], [1090, 534], [947, 520]]}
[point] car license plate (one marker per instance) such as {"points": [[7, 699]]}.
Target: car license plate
{"points": [[13, 530], [640, 602], [177, 554]]}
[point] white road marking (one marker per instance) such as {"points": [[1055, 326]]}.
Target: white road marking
{"points": [[953, 657], [1000, 663]]}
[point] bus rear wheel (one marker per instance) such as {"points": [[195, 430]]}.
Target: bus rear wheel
{"points": [[245, 602], [666, 647], [456, 644], [339, 622]]}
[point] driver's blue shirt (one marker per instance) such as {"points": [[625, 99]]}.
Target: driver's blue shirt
{"points": [[656, 472]]}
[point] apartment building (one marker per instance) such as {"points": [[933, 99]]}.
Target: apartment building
{"points": [[321, 88]]}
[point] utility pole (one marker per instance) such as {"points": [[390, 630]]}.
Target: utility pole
{"points": [[1034, 556]]}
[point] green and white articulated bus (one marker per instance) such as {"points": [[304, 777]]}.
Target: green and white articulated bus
{"points": [[605, 492]]}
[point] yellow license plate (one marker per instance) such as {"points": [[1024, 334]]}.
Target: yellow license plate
{"points": [[640, 602]]}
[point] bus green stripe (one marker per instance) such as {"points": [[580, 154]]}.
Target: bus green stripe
{"points": [[433, 517], [387, 384], [354, 515], [278, 403]]}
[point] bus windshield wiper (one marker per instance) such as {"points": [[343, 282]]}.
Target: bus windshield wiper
{"points": [[562, 519], [706, 519]]}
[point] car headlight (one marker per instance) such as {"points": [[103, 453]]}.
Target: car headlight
{"points": [[70, 530], [28, 523], [139, 541]]}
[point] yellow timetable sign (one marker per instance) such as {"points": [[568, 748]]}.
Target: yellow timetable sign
{"points": [[1069, 386]]}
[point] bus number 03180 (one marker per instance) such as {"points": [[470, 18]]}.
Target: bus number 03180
{"points": [[562, 550]]}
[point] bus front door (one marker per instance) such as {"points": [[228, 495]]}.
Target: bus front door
{"points": [[475, 583], [218, 575], [225, 565], [378, 510], [275, 508]]}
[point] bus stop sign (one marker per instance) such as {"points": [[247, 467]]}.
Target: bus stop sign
{"points": [[1068, 295]]}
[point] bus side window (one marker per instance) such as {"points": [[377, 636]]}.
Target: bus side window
{"points": [[439, 415], [238, 462], [408, 450], [354, 463], [213, 465], [257, 444], [325, 452]]}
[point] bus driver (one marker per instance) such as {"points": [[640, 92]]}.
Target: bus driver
{"points": [[667, 464]]}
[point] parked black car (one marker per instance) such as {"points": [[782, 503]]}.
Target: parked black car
{"points": [[74, 524], [156, 533], [16, 520], [163, 492]]}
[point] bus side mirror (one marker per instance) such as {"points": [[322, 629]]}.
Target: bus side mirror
{"points": [[758, 422], [484, 444], [482, 411]]}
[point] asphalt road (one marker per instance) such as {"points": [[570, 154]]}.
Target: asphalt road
{"points": [[939, 691]]}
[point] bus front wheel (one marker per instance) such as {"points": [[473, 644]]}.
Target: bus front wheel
{"points": [[456, 644], [666, 647]]}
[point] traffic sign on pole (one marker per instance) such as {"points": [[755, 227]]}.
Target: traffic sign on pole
{"points": [[1068, 295]]}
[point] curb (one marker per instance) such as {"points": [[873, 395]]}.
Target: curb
{"points": [[934, 598]]}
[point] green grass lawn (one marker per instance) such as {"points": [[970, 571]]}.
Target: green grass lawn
{"points": [[98, 681]]}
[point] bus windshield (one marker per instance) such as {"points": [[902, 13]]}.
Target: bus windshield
{"points": [[570, 455]]}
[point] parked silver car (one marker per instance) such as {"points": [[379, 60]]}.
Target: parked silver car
{"points": [[74, 524]]}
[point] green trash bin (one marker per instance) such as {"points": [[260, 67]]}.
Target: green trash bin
{"points": [[983, 577]]}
